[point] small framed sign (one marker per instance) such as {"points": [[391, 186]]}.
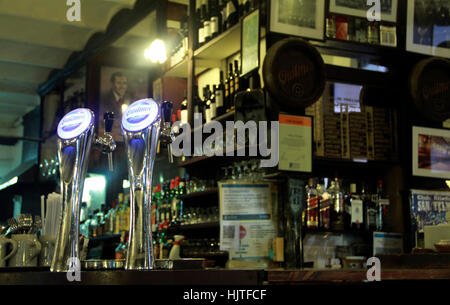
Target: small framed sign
{"points": [[431, 152], [295, 143], [250, 42]]}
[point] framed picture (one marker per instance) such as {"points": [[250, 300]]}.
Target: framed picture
{"points": [[298, 18], [118, 88], [359, 8], [428, 27], [250, 42], [431, 152]]}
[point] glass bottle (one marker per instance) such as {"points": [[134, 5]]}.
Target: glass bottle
{"points": [[206, 21], [337, 213], [220, 96], [370, 210], [312, 205]]}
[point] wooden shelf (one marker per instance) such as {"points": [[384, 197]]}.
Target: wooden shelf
{"points": [[194, 227], [346, 231], [207, 192], [181, 69], [223, 46]]}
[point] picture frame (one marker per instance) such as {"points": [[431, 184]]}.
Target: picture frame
{"points": [[431, 152], [119, 87], [427, 34], [359, 8], [250, 44], [291, 18]]}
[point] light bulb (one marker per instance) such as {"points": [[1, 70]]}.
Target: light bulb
{"points": [[156, 53]]}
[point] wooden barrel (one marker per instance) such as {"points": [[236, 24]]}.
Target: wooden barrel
{"points": [[430, 88], [294, 74]]}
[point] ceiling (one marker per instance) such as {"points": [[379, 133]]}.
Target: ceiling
{"points": [[36, 38]]}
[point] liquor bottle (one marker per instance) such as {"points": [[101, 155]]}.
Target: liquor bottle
{"points": [[206, 20], [230, 99], [214, 18], [357, 209], [382, 205], [325, 206], [200, 28], [220, 96], [119, 253], [337, 213], [370, 210], [312, 205], [213, 102], [184, 109]]}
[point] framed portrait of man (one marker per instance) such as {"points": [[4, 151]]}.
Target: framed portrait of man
{"points": [[119, 88]]}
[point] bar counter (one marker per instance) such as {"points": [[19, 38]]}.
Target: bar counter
{"points": [[216, 277]]}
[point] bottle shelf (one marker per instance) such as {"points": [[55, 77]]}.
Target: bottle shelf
{"points": [[181, 69], [207, 192], [223, 46], [193, 227], [345, 231]]}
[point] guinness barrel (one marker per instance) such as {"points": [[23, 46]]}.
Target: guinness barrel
{"points": [[430, 88], [294, 74]]}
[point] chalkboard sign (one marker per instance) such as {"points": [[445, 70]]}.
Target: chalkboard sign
{"points": [[430, 88], [294, 74]]}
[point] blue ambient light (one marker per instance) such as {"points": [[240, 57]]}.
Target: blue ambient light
{"points": [[75, 123], [140, 115]]}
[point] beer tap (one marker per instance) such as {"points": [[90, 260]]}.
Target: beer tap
{"points": [[75, 138], [107, 143], [144, 123]]}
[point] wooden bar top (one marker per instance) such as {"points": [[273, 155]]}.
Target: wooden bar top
{"points": [[352, 275]]}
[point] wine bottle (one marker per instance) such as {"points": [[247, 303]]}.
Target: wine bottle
{"points": [[220, 95], [201, 32], [230, 100], [232, 13], [206, 20], [212, 99], [236, 76], [206, 105], [215, 18]]}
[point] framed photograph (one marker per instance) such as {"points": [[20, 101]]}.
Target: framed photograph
{"points": [[298, 18], [428, 27], [118, 88], [431, 152], [359, 8], [250, 42]]}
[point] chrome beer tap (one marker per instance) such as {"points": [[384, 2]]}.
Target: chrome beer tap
{"points": [[75, 138], [144, 123]]}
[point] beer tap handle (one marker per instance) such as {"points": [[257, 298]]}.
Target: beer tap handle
{"points": [[108, 118], [166, 109]]}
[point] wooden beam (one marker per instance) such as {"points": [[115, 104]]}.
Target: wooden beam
{"points": [[119, 25]]}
